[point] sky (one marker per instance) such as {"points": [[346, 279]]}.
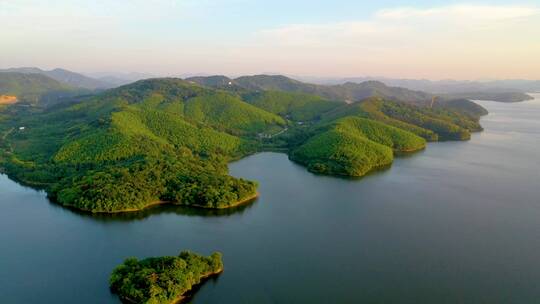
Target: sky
{"points": [[339, 38]]}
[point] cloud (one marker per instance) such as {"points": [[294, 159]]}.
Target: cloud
{"points": [[458, 12], [459, 41], [398, 21], [442, 40]]}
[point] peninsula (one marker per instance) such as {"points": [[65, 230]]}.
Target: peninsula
{"points": [[170, 140]]}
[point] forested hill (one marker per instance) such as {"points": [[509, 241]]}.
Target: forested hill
{"points": [[162, 280], [216, 81], [34, 88], [64, 76], [169, 140], [348, 92], [155, 140], [511, 90], [511, 96]]}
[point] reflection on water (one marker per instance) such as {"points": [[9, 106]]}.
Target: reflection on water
{"points": [[162, 209]]}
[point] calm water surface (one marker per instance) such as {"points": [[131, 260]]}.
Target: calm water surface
{"points": [[457, 223]]}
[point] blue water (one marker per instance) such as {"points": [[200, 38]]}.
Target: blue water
{"points": [[456, 223]]}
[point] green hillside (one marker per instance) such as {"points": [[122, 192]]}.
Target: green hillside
{"points": [[169, 141], [493, 96], [34, 88], [397, 139], [229, 113], [370, 108], [431, 124], [63, 76], [216, 81], [355, 92], [199, 105], [447, 125], [162, 279], [345, 92], [274, 83], [139, 144], [354, 146], [293, 106], [464, 106]]}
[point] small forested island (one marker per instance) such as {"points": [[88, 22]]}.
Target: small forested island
{"points": [[494, 96], [169, 141], [162, 280]]}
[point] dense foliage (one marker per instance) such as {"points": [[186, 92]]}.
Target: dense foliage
{"points": [[354, 146], [430, 123], [169, 140], [34, 88], [463, 106], [215, 81], [137, 183], [162, 280], [293, 106], [370, 108], [447, 126], [66, 77], [129, 148], [228, 113], [346, 92], [397, 139]]}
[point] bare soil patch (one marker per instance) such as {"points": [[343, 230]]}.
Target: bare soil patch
{"points": [[7, 99]]}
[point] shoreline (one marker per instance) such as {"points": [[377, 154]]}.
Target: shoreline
{"points": [[161, 203], [371, 170], [43, 186], [205, 277], [396, 153], [182, 297], [409, 151]]}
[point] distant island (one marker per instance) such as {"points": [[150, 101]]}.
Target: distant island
{"points": [[494, 96], [162, 280], [169, 141]]}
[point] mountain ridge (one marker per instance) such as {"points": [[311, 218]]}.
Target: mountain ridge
{"points": [[65, 76], [510, 90]]}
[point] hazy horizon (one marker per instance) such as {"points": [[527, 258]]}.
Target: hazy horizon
{"points": [[136, 75], [428, 40]]}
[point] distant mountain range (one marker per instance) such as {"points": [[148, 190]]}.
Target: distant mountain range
{"points": [[119, 79], [169, 139], [34, 88], [64, 76], [349, 92], [510, 90], [458, 86], [346, 89]]}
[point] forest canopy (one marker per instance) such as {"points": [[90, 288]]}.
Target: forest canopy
{"points": [[169, 140], [162, 280]]}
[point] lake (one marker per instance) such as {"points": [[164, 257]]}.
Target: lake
{"points": [[456, 223]]}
